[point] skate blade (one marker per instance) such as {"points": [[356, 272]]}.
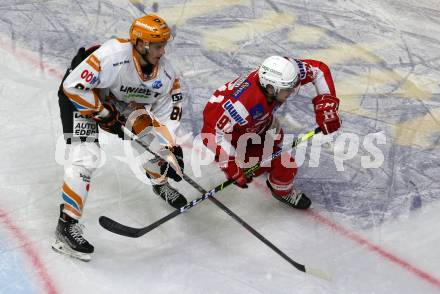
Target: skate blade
{"points": [[65, 249]]}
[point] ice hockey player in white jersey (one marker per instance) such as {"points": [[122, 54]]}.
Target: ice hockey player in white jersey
{"points": [[123, 82]]}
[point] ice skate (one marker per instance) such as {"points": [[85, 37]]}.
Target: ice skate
{"points": [[295, 198], [69, 239], [170, 195]]}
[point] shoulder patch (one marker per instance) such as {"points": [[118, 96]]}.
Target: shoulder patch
{"points": [[157, 84], [94, 62], [240, 89], [257, 111]]}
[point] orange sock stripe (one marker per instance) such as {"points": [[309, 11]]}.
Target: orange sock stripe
{"points": [[153, 174], [72, 209], [75, 197], [79, 100]]}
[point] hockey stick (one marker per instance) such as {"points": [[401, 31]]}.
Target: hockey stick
{"points": [[123, 230], [120, 229]]}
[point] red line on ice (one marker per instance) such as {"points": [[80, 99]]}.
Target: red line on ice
{"points": [[25, 245], [24, 55], [365, 243], [24, 242], [358, 239], [373, 247]]}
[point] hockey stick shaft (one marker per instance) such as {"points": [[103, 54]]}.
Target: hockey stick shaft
{"points": [[316, 272], [120, 229], [313, 271], [133, 232]]}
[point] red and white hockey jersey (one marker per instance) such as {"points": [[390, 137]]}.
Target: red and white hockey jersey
{"points": [[240, 106]]}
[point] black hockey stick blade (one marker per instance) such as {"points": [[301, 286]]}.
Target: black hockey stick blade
{"points": [[118, 228]]}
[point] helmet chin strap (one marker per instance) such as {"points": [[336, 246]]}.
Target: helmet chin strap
{"points": [[269, 97], [147, 68]]}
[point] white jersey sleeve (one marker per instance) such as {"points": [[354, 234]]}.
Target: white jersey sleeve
{"points": [[96, 71]]}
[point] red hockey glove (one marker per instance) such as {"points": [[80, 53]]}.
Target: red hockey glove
{"points": [[234, 172], [326, 112], [112, 122]]}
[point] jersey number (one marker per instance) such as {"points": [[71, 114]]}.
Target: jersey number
{"points": [[176, 114], [221, 123]]}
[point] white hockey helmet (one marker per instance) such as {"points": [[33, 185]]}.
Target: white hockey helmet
{"points": [[280, 73]]}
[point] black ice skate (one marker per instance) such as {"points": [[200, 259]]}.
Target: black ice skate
{"points": [[69, 239], [170, 195], [296, 199]]}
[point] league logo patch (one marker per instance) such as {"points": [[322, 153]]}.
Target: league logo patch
{"points": [[157, 84], [246, 84], [257, 111]]}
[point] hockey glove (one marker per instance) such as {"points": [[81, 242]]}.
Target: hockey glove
{"points": [[234, 172], [110, 120], [326, 112], [166, 168]]}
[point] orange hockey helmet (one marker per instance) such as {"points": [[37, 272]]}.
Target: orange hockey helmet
{"points": [[150, 29]]}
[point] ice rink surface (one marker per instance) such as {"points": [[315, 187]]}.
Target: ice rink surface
{"points": [[374, 230]]}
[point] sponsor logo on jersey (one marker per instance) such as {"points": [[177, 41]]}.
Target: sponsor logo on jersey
{"points": [[121, 62], [240, 89], [89, 77], [257, 111], [238, 82], [177, 97], [229, 107], [138, 92], [302, 70], [85, 178], [94, 80], [157, 84], [83, 126], [76, 114]]}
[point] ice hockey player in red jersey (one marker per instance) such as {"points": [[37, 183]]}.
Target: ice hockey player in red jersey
{"points": [[122, 82], [242, 111]]}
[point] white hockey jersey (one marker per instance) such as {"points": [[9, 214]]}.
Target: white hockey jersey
{"points": [[115, 67]]}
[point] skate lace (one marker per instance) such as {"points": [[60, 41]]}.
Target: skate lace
{"points": [[294, 197], [169, 193], [76, 231]]}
